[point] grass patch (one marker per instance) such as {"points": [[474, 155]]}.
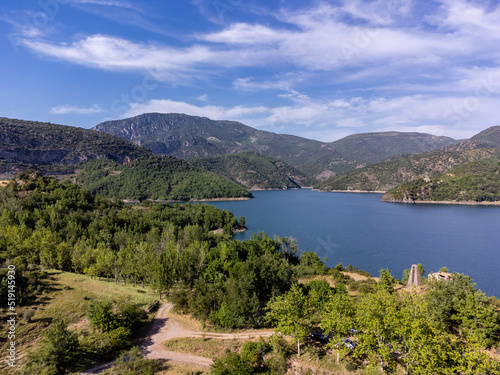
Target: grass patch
{"points": [[181, 368], [204, 347], [67, 295]]}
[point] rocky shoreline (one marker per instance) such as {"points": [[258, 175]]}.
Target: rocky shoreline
{"points": [[390, 199], [352, 191]]}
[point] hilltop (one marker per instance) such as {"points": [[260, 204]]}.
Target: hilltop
{"points": [[45, 143], [156, 178], [254, 171], [394, 171], [477, 181], [191, 136]]}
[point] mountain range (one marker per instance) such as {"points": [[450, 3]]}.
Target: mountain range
{"points": [[250, 158], [391, 172], [191, 136]]}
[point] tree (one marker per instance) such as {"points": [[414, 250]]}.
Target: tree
{"points": [[378, 317], [231, 364], [164, 267], [338, 317], [59, 348], [425, 349], [291, 314], [386, 281]]}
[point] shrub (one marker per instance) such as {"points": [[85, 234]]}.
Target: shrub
{"points": [[28, 314], [101, 315]]}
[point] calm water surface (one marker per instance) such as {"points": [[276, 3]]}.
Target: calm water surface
{"points": [[360, 230]]}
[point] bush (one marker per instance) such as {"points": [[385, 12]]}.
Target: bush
{"points": [[253, 352], [351, 366], [130, 315], [58, 350], [131, 363], [231, 364], [28, 314], [101, 315]]}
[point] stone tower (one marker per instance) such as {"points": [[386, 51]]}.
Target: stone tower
{"points": [[414, 279]]}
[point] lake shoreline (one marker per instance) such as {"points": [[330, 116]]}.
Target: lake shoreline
{"points": [[135, 201], [351, 191], [463, 203]]}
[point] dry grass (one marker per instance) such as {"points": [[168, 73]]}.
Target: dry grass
{"points": [[67, 296], [328, 278], [204, 347], [180, 368], [4, 182]]}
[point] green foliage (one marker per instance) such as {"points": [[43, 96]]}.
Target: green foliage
{"points": [[386, 281], [392, 172], [131, 363], [290, 313], [458, 306], [254, 171], [231, 364], [156, 178], [187, 136], [101, 316], [59, 347], [40, 143], [310, 264], [477, 181]]}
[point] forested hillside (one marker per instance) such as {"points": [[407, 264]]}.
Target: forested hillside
{"points": [[368, 326], [156, 178], [44, 143], [397, 170], [477, 181], [254, 171], [392, 172], [188, 136]]}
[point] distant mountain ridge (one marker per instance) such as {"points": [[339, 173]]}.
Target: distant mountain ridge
{"points": [[46, 143], [477, 181], [190, 136], [394, 171], [254, 171]]}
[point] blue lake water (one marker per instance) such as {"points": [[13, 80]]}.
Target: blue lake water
{"points": [[361, 230]]}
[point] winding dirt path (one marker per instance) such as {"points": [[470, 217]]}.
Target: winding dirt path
{"points": [[164, 328]]}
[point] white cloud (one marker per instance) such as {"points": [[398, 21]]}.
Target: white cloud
{"points": [[69, 109], [109, 3], [454, 116]]}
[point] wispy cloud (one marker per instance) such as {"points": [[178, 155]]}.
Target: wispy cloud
{"points": [[108, 3], [69, 109], [327, 120]]}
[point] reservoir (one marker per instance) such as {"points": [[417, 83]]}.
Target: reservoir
{"points": [[360, 230]]}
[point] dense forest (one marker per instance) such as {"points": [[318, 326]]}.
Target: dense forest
{"points": [[156, 178], [255, 171], [45, 143], [478, 181], [45, 224], [394, 171]]}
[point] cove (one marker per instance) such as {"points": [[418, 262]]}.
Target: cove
{"points": [[361, 230]]}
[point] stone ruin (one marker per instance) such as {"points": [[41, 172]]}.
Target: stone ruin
{"points": [[415, 279], [442, 276]]}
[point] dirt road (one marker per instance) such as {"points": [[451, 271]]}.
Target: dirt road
{"points": [[164, 328]]}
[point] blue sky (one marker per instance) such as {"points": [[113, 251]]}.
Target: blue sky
{"points": [[318, 69]]}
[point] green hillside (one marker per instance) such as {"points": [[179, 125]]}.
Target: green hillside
{"points": [[254, 171], [162, 178], [45, 143], [490, 136], [392, 172], [190, 136], [477, 181]]}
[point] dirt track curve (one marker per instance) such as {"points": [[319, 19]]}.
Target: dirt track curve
{"points": [[164, 329]]}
